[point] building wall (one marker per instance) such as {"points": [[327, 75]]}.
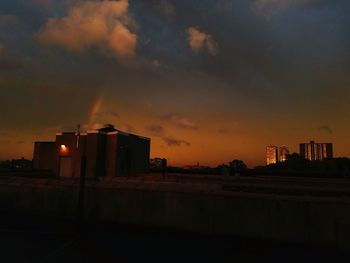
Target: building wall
{"points": [[91, 155], [133, 154], [107, 154], [77, 157], [123, 156], [69, 141], [140, 154], [44, 156], [111, 154], [302, 151], [329, 150]]}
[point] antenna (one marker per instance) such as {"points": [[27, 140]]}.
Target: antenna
{"points": [[78, 136]]}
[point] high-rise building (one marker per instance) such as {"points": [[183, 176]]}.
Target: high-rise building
{"points": [[283, 152], [316, 151], [271, 154]]}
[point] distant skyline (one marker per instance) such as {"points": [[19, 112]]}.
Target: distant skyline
{"points": [[207, 81]]}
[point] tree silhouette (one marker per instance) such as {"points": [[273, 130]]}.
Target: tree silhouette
{"points": [[237, 165]]}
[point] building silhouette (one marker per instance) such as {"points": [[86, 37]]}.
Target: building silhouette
{"points": [[271, 154], [108, 153], [21, 164], [316, 151], [156, 163], [283, 152]]}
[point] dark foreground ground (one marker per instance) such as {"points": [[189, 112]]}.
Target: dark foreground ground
{"points": [[25, 238]]}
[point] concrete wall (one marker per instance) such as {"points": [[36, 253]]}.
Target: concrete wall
{"points": [[44, 156], [108, 154], [291, 219], [139, 154], [111, 153]]}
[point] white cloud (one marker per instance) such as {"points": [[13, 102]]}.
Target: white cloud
{"points": [[180, 121], [200, 41], [105, 25]]}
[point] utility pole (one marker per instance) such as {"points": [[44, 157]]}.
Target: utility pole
{"points": [[81, 180]]}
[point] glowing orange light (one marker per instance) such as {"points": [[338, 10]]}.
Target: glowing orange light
{"points": [[63, 148]]}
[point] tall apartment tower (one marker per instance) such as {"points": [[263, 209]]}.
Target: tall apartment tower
{"points": [[316, 151], [283, 152], [271, 154]]}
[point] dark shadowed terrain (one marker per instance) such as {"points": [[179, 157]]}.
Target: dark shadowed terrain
{"points": [[25, 238]]}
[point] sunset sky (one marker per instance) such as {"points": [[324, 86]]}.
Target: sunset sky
{"points": [[208, 81]]}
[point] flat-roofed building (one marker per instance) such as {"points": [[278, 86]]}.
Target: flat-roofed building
{"points": [[44, 156], [316, 151], [108, 152], [271, 154]]}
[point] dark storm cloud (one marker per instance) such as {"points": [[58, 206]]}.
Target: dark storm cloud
{"points": [[326, 128], [8, 20], [268, 8], [114, 114], [170, 141], [25, 12], [107, 114], [164, 7], [4, 134], [45, 103], [10, 61], [244, 58], [9, 64], [276, 61], [256, 55], [155, 129], [264, 59], [278, 58], [127, 128], [159, 131], [225, 131]]}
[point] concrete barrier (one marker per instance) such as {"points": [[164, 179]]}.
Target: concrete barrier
{"points": [[304, 220]]}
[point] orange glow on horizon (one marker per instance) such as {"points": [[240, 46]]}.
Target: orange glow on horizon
{"points": [[214, 142]]}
